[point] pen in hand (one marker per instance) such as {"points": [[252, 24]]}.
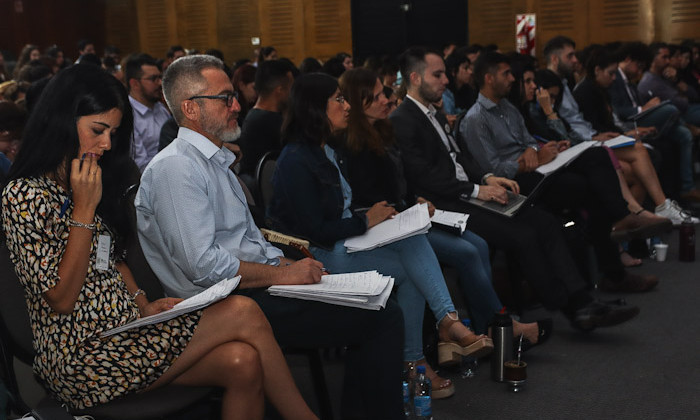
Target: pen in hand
{"points": [[308, 254]]}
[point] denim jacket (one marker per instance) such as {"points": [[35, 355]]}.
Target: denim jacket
{"points": [[307, 199]]}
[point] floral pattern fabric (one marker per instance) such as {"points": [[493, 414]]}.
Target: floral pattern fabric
{"points": [[77, 366]]}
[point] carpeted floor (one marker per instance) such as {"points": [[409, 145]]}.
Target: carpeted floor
{"points": [[648, 368]]}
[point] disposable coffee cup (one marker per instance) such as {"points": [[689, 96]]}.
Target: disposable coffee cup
{"points": [[661, 251]]}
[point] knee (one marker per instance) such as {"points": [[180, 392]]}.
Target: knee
{"points": [[242, 365], [683, 135], [245, 309], [640, 150]]}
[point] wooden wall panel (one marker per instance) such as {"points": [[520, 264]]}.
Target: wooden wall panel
{"points": [[45, 23], [157, 26], [677, 20], [237, 21], [561, 17], [622, 20], [327, 28], [301, 28], [196, 24], [586, 22], [122, 26], [493, 22], [282, 26]]}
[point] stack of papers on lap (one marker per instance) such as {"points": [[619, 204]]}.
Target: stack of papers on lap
{"points": [[412, 221], [563, 158], [450, 220], [213, 294], [366, 290]]}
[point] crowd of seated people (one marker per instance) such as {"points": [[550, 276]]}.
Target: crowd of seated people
{"points": [[356, 145]]}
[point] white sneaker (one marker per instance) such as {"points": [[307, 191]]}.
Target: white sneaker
{"points": [[671, 210]]}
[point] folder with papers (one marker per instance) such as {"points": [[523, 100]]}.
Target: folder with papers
{"points": [[412, 221], [211, 295], [365, 289]]}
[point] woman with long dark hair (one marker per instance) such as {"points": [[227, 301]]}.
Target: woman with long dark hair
{"points": [[312, 198], [243, 81], [461, 93], [66, 224], [29, 53], [375, 173]]}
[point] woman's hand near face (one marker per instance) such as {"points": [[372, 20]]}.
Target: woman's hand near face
{"points": [[544, 100], [379, 213], [86, 183]]}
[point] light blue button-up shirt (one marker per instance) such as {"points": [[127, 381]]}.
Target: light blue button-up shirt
{"points": [[193, 219], [147, 125], [569, 111]]}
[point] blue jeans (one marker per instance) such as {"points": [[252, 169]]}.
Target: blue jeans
{"points": [[692, 114], [680, 135], [416, 271], [469, 255]]}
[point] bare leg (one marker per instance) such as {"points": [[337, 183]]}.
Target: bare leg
{"points": [[236, 367], [638, 158], [238, 320]]}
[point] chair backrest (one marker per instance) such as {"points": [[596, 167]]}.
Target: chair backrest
{"points": [[15, 328], [136, 260], [263, 175]]}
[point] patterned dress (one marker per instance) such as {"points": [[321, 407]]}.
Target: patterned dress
{"points": [[78, 367]]}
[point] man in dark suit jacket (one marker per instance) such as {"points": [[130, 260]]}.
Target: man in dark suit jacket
{"points": [[675, 141], [437, 169]]}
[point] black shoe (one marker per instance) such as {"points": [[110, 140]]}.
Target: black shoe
{"points": [[544, 330], [630, 283], [599, 314]]}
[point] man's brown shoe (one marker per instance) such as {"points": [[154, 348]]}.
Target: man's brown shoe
{"points": [[634, 226], [630, 283], [692, 196]]}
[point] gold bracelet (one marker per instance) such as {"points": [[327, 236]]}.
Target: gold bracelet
{"points": [[88, 226]]}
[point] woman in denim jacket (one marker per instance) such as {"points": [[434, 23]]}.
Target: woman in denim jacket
{"points": [[312, 199]]}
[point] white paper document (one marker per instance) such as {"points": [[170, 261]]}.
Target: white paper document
{"points": [[568, 155], [454, 220], [213, 294], [412, 221], [563, 158], [366, 290]]}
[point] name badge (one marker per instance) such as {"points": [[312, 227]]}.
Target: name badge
{"points": [[103, 247]]}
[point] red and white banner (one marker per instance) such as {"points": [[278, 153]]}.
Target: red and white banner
{"points": [[525, 34]]}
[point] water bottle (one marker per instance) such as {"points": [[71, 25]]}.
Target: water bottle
{"points": [[469, 363], [409, 375], [422, 404], [686, 236], [502, 335], [651, 242]]}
